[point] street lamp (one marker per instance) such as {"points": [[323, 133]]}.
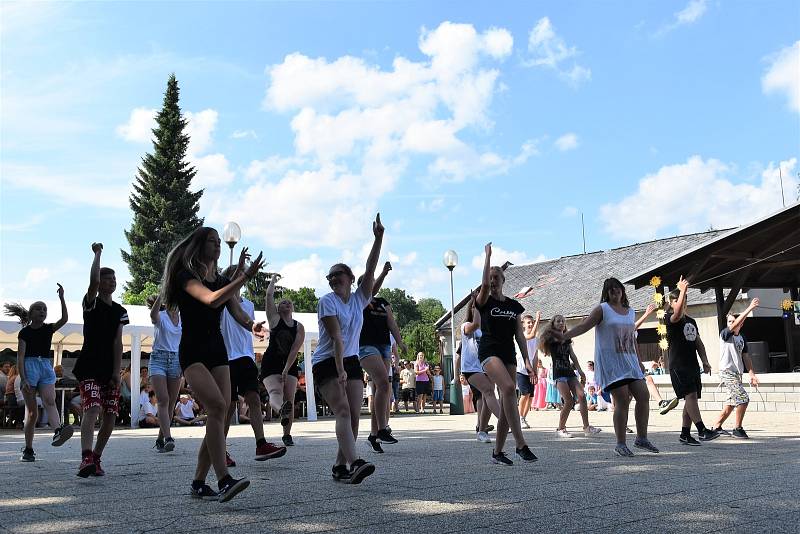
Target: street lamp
{"points": [[450, 261], [231, 234]]}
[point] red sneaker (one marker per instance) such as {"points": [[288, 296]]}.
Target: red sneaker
{"points": [[268, 451], [98, 471], [87, 467], [228, 460]]}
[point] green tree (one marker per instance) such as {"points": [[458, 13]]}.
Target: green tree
{"points": [[404, 307], [140, 298], [430, 310], [420, 336], [304, 299], [164, 208], [256, 289]]}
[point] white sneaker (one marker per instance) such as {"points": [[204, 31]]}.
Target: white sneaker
{"points": [[483, 437], [590, 430], [562, 433], [524, 423]]}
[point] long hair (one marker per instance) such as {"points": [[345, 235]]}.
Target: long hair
{"points": [[186, 255], [608, 285], [15, 309], [547, 336]]}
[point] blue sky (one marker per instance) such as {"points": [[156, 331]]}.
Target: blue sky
{"points": [[462, 122]]}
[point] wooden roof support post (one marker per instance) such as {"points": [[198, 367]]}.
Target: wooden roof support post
{"points": [[720, 298]]}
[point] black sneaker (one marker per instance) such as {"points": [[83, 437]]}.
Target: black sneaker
{"points": [[739, 433], [61, 435], [204, 492], [159, 446], [689, 440], [169, 445], [668, 405], [340, 473], [28, 455], [286, 412], [376, 445], [500, 458], [644, 443], [385, 436], [489, 428], [359, 470], [526, 455], [708, 435], [722, 431], [288, 441], [233, 487]]}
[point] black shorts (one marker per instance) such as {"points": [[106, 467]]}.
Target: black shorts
{"points": [[407, 394], [476, 393], [524, 384], [423, 387], [507, 359], [326, 370], [685, 381], [244, 376], [619, 383], [210, 352], [274, 366]]}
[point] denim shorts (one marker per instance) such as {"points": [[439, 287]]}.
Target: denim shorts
{"points": [[438, 395], [39, 371], [164, 363], [385, 351]]}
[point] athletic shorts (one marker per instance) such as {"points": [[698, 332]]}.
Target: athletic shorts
{"points": [[438, 395], [476, 393], [407, 394], [164, 363], [524, 384], [618, 384], [39, 371], [384, 351], [685, 382], [97, 395], [423, 387], [736, 393], [326, 370], [244, 376]]}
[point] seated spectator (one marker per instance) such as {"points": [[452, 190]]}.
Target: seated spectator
{"points": [[186, 412], [14, 401], [244, 411], [591, 398], [148, 413]]}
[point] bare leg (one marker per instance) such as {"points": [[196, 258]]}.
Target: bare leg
{"points": [[87, 427], [651, 387], [503, 376], [483, 415], [485, 386], [336, 396], [256, 417], [375, 367], [502, 428], [213, 390], [159, 383], [569, 403], [622, 400], [274, 385], [104, 432], [642, 409], [740, 410], [289, 390], [691, 410], [31, 416]]}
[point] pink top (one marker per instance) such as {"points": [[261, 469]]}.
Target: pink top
{"points": [[422, 371]]}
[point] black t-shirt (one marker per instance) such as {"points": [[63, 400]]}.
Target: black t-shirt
{"points": [[100, 324], [37, 340], [682, 338], [375, 329], [499, 325], [281, 339], [201, 335], [562, 363]]}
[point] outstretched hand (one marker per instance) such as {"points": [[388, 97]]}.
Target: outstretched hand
{"points": [[97, 247], [755, 303], [60, 291], [488, 249], [243, 257], [259, 330], [683, 284], [387, 266], [256, 266], [377, 226]]}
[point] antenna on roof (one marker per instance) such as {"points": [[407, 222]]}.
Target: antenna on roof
{"points": [[583, 230], [780, 174]]}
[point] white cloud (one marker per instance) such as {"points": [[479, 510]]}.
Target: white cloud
{"points": [[569, 211], [36, 276], [305, 272], [783, 75], [693, 196], [548, 49], [93, 188], [139, 128], [243, 134], [690, 14], [568, 141], [501, 255], [432, 206]]}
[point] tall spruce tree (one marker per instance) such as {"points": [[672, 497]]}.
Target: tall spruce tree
{"points": [[164, 208]]}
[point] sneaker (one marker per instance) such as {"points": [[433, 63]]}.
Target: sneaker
{"points": [[590, 431], [28, 455], [169, 445], [61, 435], [340, 473], [359, 470], [524, 423], [286, 412], [159, 446], [229, 462], [87, 466], [500, 458], [288, 441], [268, 451], [98, 471], [623, 450], [376, 444], [668, 405], [739, 433], [644, 443], [233, 487], [707, 435], [489, 428], [204, 492], [483, 437], [526, 455], [628, 430], [722, 431], [689, 440], [385, 436], [562, 433]]}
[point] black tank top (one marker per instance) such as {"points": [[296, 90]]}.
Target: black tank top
{"points": [[281, 339]]}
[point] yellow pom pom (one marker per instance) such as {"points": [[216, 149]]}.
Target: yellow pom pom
{"points": [[661, 314], [786, 304], [655, 281], [661, 329], [663, 344], [658, 298]]}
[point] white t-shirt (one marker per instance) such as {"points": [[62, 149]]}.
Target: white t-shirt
{"points": [[732, 346], [144, 398], [469, 351], [532, 344], [438, 381], [147, 408], [187, 409], [238, 340], [350, 315], [465, 390], [167, 335]]}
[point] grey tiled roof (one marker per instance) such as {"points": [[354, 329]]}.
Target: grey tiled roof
{"points": [[571, 285]]}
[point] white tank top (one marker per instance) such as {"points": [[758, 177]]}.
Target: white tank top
{"points": [[167, 336], [615, 347], [469, 351]]}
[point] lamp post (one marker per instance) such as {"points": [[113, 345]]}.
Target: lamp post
{"points": [[231, 234], [450, 261]]}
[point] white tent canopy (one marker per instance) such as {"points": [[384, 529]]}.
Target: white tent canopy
{"points": [[138, 336]]}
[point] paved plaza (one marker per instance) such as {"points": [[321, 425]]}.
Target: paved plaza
{"points": [[438, 479]]}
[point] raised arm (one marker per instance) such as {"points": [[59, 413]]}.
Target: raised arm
{"points": [[677, 308], [393, 328], [368, 282], [155, 310], [381, 277], [94, 272], [272, 310], [737, 323], [536, 324], [650, 309], [483, 294], [214, 299], [587, 324], [64, 315], [296, 344]]}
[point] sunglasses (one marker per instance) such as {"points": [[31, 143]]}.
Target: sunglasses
{"points": [[334, 274]]}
